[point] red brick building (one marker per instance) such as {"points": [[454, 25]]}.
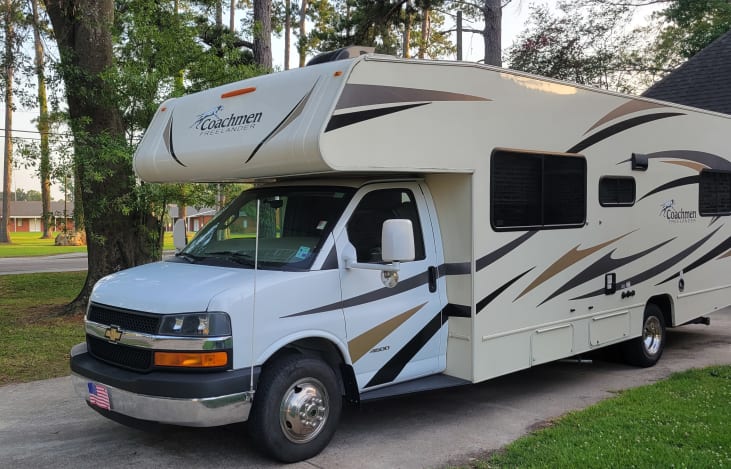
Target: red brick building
{"points": [[25, 216]]}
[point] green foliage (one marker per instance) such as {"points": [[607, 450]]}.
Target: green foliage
{"points": [[680, 422], [586, 44], [687, 26], [381, 25]]}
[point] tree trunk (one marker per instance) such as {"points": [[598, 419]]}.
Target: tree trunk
{"points": [[8, 172], [407, 35], [120, 233], [263, 33], [493, 13], [287, 31], [45, 164], [302, 44], [425, 32], [232, 16], [219, 14]]}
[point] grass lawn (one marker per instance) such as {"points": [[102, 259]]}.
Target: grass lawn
{"points": [[683, 421], [31, 244], [34, 340]]}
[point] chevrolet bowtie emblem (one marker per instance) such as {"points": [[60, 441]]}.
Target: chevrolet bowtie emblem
{"points": [[113, 334]]}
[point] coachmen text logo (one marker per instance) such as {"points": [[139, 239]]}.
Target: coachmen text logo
{"points": [[113, 334], [673, 215], [211, 122]]}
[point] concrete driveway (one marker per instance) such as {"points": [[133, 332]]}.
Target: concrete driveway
{"points": [[43, 424]]}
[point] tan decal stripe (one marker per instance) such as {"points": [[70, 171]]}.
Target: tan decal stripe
{"points": [[655, 270], [365, 342], [619, 127], [566, 261], [689, 164], [726, 254], [356, 95], [629, 107]]}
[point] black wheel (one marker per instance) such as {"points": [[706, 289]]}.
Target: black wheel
{"points": [[296, 408], [646, 349]]}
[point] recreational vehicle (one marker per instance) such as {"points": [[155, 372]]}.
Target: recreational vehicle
{"points": [[412, 225]]}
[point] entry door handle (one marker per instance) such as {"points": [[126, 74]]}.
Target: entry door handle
{"points": [[433, 276]]}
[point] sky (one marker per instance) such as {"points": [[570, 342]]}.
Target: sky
{"points": [[514, 17]]}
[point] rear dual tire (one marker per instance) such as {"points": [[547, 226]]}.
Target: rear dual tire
{"points": [[645, 350]]}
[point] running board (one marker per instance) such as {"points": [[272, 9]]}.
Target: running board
{"points": [[426, 383]]}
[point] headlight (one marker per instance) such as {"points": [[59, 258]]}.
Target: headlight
{"points": [[196, 325]]}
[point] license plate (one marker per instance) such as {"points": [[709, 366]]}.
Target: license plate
{"points": [[99, 396]]}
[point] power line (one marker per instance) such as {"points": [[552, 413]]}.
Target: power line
{"points": [[58, 134]]}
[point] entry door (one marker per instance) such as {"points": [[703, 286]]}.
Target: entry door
{"points": [[393, 333]]}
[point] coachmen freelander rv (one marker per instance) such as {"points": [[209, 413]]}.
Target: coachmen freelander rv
{"points": [[413, 225]]}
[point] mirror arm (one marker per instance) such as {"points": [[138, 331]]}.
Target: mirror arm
{"points": [[352, 264]]}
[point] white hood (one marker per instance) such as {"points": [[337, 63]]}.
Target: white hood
{"points": [[170, 287]]}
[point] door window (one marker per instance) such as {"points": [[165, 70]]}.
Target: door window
{"points": [[366, 223]]}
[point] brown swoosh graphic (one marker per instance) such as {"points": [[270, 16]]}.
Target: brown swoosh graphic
{"points": [[689, 164], [355, 95], [566, 261], [630, 107], [362, 344]]}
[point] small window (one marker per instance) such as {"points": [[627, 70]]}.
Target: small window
{"points": [[617, 191], [366, 223], [535, 190], [714, 193]]}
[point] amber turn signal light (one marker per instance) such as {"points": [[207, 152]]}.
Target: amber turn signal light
{"points": [[191, 359]]}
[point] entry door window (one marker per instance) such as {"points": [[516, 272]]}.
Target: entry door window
{"points": [[366, 223]]}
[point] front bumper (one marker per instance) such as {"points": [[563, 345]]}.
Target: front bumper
{"points": [[188, 399]]}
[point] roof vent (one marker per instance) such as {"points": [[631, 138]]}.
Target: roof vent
{"points": [[340, 54]]}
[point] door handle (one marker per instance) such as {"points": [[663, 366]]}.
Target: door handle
{"points": [[433, 276]]}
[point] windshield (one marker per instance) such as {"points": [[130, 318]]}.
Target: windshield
{"points": [[293, 225]]}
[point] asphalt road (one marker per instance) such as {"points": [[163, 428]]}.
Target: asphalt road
{"points": [[44, 424], [58, 263]]}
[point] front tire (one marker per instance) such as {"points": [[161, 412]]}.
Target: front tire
{"points": [[296, 408], [646, 350]]}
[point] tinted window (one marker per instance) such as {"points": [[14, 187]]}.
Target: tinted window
{"points": [[617, 191], [532, 190], [714, 191], [366, 223]]}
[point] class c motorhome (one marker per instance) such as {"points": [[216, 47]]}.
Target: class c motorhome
{"points": [[413, 225]]}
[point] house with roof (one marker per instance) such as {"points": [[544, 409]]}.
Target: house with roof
{"points": [[195, 218], [25, 216], [704, 81]]}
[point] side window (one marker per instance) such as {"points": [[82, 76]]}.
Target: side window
{"points": [[536, 191], [366, 223], [714, 193], [617, 191]]}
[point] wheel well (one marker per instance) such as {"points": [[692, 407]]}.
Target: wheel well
{"points": [[665, 303], [327, 352]]}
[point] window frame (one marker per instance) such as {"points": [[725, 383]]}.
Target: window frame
{"points": [[543, 155], [617, 204]]}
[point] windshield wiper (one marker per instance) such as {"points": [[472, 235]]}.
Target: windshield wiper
{"points": [[188, 257], [235, 256]]}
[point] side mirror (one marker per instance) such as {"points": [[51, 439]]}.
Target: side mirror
{"points": [[179, 234], [397, 241]]}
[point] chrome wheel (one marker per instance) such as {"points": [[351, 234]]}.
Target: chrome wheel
{"points": [[304, 410], [652, 335]]}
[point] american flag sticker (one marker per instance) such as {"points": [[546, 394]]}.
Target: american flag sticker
{"points": [[99, 396]]}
